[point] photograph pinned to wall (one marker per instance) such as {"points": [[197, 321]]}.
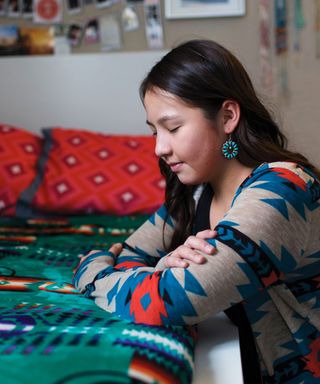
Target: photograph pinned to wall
{"points": [[9, 40], [154, 30], [61, 29], [183, 9], [47, 11], [3, 7], [266, 63], [27, 8], [130, 19], [13, 8], [62, 45], [74, 6], [110, 33], [298, 24], [281, 46], [103, 3], [37, 41], [75, 33], [91, 32]]}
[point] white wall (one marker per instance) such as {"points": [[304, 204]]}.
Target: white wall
{"points": [[100, 92], [97, 91]]}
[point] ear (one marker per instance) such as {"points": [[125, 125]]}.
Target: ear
{"points": [[231, 115]]}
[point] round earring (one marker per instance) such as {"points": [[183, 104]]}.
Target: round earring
{"points": [[230, 149]]}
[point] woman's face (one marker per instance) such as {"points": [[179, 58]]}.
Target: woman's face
{"points": [[185, 139]]}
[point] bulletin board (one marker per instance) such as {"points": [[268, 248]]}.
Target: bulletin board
{"points": [[79, 26]]}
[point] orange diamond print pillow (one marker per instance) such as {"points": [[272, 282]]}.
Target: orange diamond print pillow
{"points": [[19, 152], [84, 172]]}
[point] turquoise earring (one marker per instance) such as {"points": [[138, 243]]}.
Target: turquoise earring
{"points": [[230, 149]]}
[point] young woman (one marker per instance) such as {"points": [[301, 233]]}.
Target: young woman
{"points": [[239, 230]]}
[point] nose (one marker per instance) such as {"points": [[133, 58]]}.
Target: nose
{"points": [[163, 147]]}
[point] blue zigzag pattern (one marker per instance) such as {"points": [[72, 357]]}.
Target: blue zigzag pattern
{"points": [[249, 251]]}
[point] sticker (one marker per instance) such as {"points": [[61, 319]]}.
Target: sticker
{"points": [[47, 11]]}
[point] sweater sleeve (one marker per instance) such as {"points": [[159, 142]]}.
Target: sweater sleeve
{"points": [[145, 246], [261, 238]]}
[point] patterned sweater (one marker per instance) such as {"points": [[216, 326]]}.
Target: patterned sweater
{"points": [[268, 258]]}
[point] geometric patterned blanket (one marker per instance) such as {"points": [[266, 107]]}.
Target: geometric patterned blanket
{"points": [[51, 334]]}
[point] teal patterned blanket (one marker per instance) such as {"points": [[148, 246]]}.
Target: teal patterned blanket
{"points": [[50, 333]]}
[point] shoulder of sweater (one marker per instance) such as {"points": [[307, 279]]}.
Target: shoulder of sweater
{"points": [[294, 172]]}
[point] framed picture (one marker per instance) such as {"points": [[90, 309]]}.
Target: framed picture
{"points": [[184, 9]]}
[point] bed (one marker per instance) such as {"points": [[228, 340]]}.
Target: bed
{"points": [[62, 194], [50, 333]]}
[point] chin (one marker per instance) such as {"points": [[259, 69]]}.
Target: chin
{"points": [[189, 180]]}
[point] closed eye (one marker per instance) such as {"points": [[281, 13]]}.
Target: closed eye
{"points": [[174, 129]]}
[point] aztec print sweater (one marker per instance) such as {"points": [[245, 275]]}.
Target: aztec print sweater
{"points": [[268, 258]]}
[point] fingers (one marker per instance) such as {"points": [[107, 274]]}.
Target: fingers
{"points": [[116, 248], [206, 234], [200, 244], [192, 250], [175, 262], [183, 256]]}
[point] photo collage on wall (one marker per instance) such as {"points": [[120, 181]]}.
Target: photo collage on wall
{"points": [[33, 27]]}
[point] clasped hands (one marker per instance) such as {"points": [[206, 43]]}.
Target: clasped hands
{"points": [[193, 250]]}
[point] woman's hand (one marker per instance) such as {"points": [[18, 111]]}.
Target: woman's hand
{"points": [[115, 249], [192, 250]]}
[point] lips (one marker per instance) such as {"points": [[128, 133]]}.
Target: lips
{"points": [[175, 167]]}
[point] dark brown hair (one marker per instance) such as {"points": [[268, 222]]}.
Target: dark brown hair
{"points": [[204, 74]]}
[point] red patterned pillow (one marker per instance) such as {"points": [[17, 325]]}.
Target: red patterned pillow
{"points": [[88, 172], [19, 151]]}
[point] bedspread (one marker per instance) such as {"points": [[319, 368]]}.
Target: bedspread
{"points": [[50, 333]]}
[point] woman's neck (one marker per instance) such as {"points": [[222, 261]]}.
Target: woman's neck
{"points": [[229, 181]]}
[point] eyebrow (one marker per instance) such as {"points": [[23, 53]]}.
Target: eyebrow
{"points": [[163, 119]]}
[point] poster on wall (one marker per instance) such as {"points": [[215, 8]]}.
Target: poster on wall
{"points": [[47, 11], [9, 40], [15, 40], [37, 41]]}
